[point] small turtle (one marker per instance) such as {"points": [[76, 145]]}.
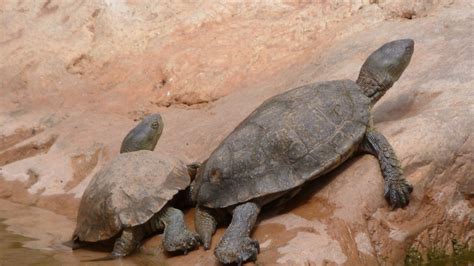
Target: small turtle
{"points": [[293, 138], [131, 197]]}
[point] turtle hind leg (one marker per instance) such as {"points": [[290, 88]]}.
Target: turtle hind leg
{"points": [[176, 235], [124, 245], [128, 241], [205, 221], [396, 188], [236, 246]]}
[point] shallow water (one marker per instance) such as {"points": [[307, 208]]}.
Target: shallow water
{"points": [[33, 236], [12, 251]]}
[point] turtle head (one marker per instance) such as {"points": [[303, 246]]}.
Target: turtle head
{"points": [[384, 67], [145, 135]]}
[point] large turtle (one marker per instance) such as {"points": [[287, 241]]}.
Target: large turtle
{"points": [[132, 196], [293, 138]]}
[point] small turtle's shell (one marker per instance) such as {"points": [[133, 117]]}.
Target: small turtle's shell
{"points": [[289, 139], [128, 192]]}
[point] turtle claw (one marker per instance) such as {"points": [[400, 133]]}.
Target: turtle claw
{"points": [[237, 251], [397, 192], [185, 242], [206, 243]]}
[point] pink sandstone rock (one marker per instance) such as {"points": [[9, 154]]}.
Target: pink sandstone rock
{"points": [[75, 76]]}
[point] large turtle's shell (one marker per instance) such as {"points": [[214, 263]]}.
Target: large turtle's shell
{"points": [[288, 140], [127, 192]]}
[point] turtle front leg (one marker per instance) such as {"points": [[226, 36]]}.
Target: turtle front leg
{"points": [[176, 234], [396, 189], [127, 242], [236, 244]]}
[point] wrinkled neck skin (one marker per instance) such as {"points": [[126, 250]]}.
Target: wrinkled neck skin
{"points": [[373, 84]]}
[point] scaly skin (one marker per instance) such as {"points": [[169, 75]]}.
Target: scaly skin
{"points": [[206, 223], [236, 244], [176, 235], [128, 241], [396, 189], [124, 245], [379, 72]]}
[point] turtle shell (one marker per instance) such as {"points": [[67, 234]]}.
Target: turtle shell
{"points": [[291, 138], [127, 192]]}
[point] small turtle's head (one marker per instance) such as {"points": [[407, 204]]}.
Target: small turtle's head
{"points": [[384, 67], [145, 135]]}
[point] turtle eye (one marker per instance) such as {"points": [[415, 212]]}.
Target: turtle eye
{"points": [[154, 125]]}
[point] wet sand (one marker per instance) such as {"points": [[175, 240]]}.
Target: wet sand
{"points": [[33, 236]]}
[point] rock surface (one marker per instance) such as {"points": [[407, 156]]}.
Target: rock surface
{"points": [[75, 76]]}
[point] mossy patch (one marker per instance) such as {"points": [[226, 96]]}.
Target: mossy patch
{"points": [[413, 257], [462, 255]]}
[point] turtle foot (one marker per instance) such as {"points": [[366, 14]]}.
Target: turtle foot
{"points": [[237, 250], [397, 192], [184, 241]]}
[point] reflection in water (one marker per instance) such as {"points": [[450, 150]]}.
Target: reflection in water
{"points": [[12, 251]]}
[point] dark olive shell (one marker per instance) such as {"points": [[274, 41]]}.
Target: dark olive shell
{"points": [[127, 192], [289, 139]]}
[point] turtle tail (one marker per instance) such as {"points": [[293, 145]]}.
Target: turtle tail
{"points": [[75, 244]]}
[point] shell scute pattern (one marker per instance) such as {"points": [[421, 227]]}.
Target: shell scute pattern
{"points": [[127, 192], [289, 139]]}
